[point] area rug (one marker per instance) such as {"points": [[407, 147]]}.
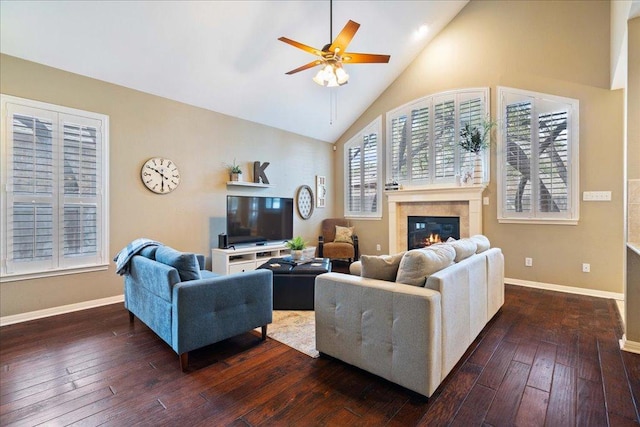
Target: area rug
{"points": [[297, 329]]}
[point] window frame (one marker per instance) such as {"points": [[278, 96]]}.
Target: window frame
{"points": [[63, 119], [535, 216], [460, 158], [375, 127]]}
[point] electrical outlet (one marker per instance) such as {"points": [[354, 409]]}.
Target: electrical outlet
{"points": [[586, 268], [485, 201], [378, 247], [528, 262]]}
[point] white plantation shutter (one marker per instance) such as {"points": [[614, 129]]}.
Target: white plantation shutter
{"points": [[445, 138], [398, 149], [538, 163], [362, 173], [472, 112], [424, 135], [420, 144], [54, 212]]}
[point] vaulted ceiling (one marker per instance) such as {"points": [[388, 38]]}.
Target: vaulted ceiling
{"points": [[224, 56]]}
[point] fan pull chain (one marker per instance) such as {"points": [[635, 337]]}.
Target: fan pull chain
{"points": [[333, 105]]}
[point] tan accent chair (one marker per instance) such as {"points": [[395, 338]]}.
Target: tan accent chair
{"points": [[327, 248]]}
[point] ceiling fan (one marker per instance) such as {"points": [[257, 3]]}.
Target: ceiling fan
{"points": [[332, 56]]}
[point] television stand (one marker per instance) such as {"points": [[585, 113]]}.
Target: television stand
{"points": [[244, 258]]}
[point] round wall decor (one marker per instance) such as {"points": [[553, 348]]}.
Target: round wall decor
{"points": [[304, 201], [160, 175]]}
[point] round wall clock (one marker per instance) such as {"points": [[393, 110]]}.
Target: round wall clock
{"points": [[304, 201], [160, 175]]}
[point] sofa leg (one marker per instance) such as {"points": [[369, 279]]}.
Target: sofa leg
{"points": [[131, 317], [264, 332], [184, 361]]}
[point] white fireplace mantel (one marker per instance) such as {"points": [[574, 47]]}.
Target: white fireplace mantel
{"points": [[445, 193]]}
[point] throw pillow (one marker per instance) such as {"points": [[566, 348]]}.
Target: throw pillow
{"points": [[464, 248], [418, 264], [384, 267], [343, 234], [186, 263], [482, 242]]}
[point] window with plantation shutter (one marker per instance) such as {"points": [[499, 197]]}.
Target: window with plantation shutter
{"points": [[538, 158], [423, 137], [362, 173], [54, 182]]}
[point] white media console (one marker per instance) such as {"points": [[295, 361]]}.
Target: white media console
{"points": [[244, 258]]}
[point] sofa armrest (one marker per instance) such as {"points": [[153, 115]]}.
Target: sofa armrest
{"points": [[210, 310], [389, 329]]}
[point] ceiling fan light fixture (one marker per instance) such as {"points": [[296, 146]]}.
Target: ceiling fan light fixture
{"points": [[342, 76], [331, 75]]}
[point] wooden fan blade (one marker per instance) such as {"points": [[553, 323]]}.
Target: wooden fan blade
{"points": [[344, 38], [305, 67], [355, 58], [299, 45]]}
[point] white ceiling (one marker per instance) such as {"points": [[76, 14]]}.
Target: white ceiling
{"points": [[224, 55]]}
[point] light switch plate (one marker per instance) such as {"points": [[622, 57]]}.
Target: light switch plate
{"points": [[596, 196]]}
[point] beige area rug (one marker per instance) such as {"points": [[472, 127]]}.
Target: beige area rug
{"points": [[297, 329]]}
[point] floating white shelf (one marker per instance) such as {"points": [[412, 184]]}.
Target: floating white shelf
{"points": [[247, 184]]}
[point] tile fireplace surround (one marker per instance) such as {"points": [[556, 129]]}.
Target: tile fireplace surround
{"points": [[462, 201]]}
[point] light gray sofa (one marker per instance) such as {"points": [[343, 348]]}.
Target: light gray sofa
{"points": [[189, 307], [412, 335]]}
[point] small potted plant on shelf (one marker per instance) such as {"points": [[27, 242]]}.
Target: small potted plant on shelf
{"points": [[296, 245], [235, 172], [474, 139]]}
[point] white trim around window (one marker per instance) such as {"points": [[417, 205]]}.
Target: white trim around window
{"points": [[423, 138], [538, 159], [54, 187], [363, 173]]}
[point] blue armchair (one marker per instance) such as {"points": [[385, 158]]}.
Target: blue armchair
{"points": [[189, 307]]}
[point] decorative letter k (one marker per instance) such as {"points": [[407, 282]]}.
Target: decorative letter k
{"points": [[258, 172]]}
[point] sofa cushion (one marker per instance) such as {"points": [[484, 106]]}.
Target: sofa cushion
{"points": [[482, 242], [418, 264], [343, 234], [464, 248], [383, 267], [185, 263]]}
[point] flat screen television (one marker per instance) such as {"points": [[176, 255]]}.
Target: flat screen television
{"points": [[258, 220]]}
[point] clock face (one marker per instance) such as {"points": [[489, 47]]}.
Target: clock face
{"points": [[160, 175], [304, 200]]}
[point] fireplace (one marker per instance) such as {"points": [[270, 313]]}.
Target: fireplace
{"points": [[423, 231], [445, 200]]}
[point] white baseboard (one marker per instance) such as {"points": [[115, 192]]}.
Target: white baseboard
{"points": [[630, 346], [54, 311], [567, 289]]}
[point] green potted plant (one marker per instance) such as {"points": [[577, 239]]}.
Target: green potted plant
{"points": [[474, 139], [234, 171], [296, 245]]}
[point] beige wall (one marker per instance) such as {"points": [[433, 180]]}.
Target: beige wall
{"points": [[199, 141], [632, 300], [560, 48]]}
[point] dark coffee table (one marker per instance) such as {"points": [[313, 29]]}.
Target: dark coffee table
{"points": [[294, 282]]}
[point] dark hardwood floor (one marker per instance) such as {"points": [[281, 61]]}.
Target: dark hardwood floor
{"points": [[547, 358]]}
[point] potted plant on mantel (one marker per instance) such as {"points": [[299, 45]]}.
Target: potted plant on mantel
{"points": [[474, 139], [235, 172], [296, 245]]}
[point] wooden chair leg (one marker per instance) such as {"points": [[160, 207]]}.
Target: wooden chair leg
{"points": [[264, 332], [131, 316], [184, 361]]}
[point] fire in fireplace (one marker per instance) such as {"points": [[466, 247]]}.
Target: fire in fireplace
{"points": [[423, 231]]}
